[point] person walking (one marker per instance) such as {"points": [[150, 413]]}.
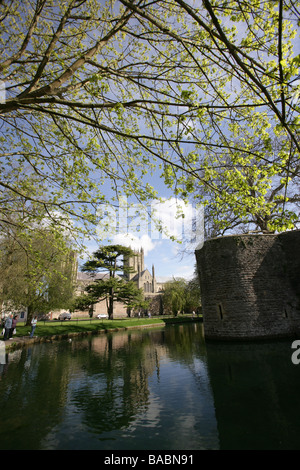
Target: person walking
{"points": [[14, 325], [7, 326], [33, 326]]}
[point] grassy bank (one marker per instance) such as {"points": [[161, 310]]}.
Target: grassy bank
{"points": [[80, 326]]}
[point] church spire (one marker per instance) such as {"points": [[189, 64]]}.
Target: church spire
{"points": [[153, 280], [142, 259]]}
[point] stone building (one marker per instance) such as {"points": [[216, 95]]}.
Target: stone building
{"points": [[141, 276], [250, 286], [146, 281]]}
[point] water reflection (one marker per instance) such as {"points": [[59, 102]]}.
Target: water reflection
{"points": [[153, 389], [133, 390], [256, 395]]}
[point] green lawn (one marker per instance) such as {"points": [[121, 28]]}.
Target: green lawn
{"points": [[80, 326]]}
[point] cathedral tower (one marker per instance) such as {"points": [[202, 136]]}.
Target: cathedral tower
{"points": [[143, 278], [136, 262]]}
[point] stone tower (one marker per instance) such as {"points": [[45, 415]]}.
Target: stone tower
{"points": [[137, 264], [143, 278], [250, 286]]}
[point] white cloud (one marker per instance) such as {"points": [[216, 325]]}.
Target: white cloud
{"points": [[164, 278], [166, 219], [136, 243], [186, 272], [179, 220]]}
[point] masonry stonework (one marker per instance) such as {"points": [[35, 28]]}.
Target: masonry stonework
{"points": [[250, 286]]}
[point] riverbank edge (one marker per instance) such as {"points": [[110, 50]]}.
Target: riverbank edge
{"points": [[21, 342]]}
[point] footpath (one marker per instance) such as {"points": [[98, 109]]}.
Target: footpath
{"points": [[20, 341]]}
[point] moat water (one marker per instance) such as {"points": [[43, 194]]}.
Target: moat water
{"points": [[158, 389]]}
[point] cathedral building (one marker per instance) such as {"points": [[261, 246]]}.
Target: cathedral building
{"points": [[141, 276]]}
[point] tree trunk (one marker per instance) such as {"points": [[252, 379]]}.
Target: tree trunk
{"points": [[111, 305], [30, 313]]}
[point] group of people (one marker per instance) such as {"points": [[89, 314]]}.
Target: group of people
{"points": [[11, 324]]}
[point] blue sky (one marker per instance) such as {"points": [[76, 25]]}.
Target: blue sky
{"points": [[131, 225]]}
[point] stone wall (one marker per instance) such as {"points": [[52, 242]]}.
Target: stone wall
{"points": [[250, 286]]}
